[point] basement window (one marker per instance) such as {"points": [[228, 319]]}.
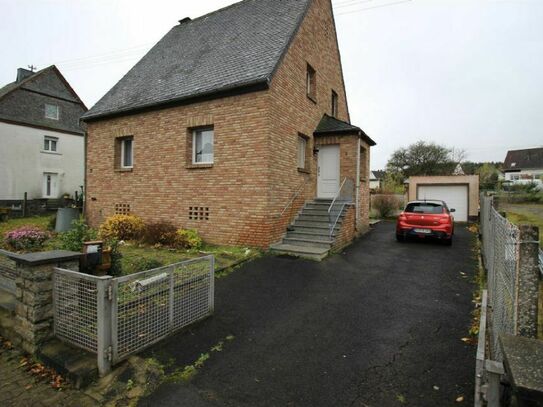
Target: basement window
{"points": [[122, 209], [198, 213]]}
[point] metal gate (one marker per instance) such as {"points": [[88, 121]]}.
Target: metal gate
{"points": [[116, 317]]}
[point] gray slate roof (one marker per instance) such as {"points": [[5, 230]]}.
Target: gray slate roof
{"points": [[530, 158], [235, 47], [330, 125], [23, 101]]}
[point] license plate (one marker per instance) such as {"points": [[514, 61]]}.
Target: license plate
{"points": [[422, 230]]}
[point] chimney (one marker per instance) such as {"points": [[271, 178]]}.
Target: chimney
{"points": [[184, 20], [22, 74]]}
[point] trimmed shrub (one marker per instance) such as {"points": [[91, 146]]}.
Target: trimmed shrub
{"points": [[122, 227], [163, 233], [73, 239], [188, 239], [26, 238], [385, 205]]}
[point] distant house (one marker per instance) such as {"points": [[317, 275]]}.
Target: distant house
{"points": [[524, 166], [229, 125], [42, 140], [377, 179]]}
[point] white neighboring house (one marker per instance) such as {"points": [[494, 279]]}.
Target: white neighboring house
{"points": [[377, 179], [42, 140], [524, 166]]}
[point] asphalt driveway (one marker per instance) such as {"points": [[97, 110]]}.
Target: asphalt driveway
{"points": [[378, 325]]}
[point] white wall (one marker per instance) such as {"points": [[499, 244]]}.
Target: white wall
{"points": [[526, 176], [23, 162]]}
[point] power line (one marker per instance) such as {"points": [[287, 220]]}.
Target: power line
{"points": [[373, 7]]}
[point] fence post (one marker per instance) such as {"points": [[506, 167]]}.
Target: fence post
{"points": [[103, 325], [211, 284], [527, 284], [25, 204]]}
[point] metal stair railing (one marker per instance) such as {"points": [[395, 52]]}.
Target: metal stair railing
{"points": [[343, 197]]}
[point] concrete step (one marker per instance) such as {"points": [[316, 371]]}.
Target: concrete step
{"points": [[310, 234], [323, 242], [312, 253], [314, 222], [318, 218], [324, 212], [301, 225]]}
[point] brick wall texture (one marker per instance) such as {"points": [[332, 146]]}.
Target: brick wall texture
{"points": [[254, 174]]}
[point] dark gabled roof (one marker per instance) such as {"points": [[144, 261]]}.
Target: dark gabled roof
{"points": [[530, 158], [236, 47], [22, 102], [330, 125], [379, 174]]}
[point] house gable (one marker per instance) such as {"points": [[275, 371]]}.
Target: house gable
{"points": [[516, 160], [24, 102]]}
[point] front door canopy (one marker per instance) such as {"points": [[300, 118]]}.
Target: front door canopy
{"points": [[331, 126]]}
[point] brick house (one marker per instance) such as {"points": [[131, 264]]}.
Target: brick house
{"points": [[236, 124]]}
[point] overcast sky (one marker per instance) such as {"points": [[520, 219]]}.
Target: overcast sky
{"points": [[464, 73]]}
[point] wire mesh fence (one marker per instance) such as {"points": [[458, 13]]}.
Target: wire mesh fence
{"points": [[500, 240], [116, 317], [75, 301]]}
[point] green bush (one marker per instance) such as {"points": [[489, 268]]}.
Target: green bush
{"points": [[73, 239], [116, 257], [385, 205], [162, 233], [52, 222], [188, 239]]}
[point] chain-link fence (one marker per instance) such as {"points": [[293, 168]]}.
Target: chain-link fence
{"points": [[500, 240], [116, 317]]}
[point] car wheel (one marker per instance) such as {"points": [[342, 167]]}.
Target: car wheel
{"points": [[400, 238]]}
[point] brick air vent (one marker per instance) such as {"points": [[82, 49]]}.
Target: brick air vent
{"points": [[122, 209], [198, 213]]}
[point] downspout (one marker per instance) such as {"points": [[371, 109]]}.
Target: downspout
{"points": [[357, 183]]}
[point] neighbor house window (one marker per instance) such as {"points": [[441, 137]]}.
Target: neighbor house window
{"points": [[302, 152], [311, 83], [202, 146], [334, 104], [127, 152], [51, 111], [50, 144]]}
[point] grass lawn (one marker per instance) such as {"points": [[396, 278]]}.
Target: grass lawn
{"points": [[136, 257], [525, 214], [141, 257]]}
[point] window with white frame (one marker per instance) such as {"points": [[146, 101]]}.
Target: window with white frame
{"points": [[202, 146], [50, 144], [302, 147], [51, 111], [127, 152]]}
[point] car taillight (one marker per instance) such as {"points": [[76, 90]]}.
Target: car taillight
{"points": [[402, 216], [445, 220]]}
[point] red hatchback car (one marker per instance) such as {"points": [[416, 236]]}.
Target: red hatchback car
{"points": [[426, 219]]}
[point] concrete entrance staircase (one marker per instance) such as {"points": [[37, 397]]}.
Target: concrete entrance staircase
{"points": [[309, 235]]}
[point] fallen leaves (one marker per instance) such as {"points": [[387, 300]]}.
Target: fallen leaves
{"points": [[41, 372], [459, 399]]}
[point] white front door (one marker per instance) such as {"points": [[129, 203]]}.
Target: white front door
{"points": [[328, 171], [50, 185]]}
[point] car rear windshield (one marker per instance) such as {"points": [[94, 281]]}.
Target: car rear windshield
{"points": [[424, 207]]}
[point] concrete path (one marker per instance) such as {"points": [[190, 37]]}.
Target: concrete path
{"points": [[378, 325]]}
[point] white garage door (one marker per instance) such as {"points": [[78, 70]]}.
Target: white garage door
{"points": [[456, 196]]}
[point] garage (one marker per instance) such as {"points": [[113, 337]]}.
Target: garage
{"points": [[456, 196], [461, 192]]}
